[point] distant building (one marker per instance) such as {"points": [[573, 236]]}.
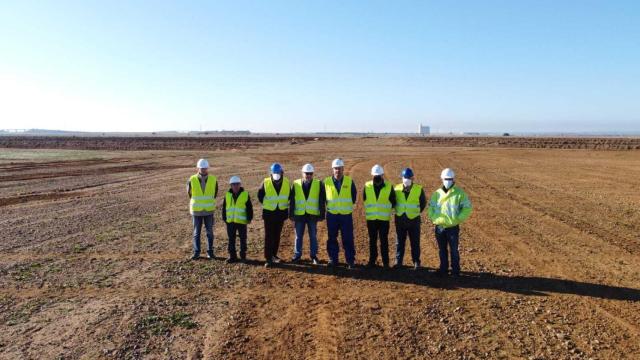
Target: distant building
{"points": [[424, 130]]}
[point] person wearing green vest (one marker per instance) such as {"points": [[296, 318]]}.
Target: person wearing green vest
{"points": [[202, 189], [448, 208], [410, 203], [274, 197], [306, 208], [341, 196], [379, 198], [237, 212]]}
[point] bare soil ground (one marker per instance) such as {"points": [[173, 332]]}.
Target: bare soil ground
{"points": [[94, 248]]}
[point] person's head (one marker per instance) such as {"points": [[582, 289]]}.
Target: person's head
{"points": [[338, 168], [203, 167], [276, 171], [235, 184], [448, 178], [307, 172], [377, 172], [407, 177]]}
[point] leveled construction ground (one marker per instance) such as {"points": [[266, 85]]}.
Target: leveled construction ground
{"points": [[94, 247]]}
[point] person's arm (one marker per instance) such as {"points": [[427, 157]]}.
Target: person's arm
{"points": [[292, 201], [224, 209], [433, 214], [323, 201], [261, 193], [423, 201], [215, 191], [189, 188], [354, 191], [249, 210], [392, 197], [466, 209], [364, 195]]}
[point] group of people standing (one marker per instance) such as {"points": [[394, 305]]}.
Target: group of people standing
{"points": [[307, 201]]}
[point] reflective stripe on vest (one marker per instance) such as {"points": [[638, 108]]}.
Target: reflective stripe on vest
{"points": [[380, 208], [272, 199], [237, 210], [310, 205], [202, 201], [410, 205], [339, 202]]}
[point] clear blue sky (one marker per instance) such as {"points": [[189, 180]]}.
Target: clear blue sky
{"points": [[320, 65]]}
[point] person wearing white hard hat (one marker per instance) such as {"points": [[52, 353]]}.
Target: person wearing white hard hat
{"points": [[202, 189], [379, 199], [448, 208], [341, 196], [410, 203], [306, 208], [274, 197], [237, 212]]}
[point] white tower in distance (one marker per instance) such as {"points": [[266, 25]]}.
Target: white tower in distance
{"points": [[424, 130]]}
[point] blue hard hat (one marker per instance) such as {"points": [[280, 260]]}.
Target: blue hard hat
{"points": [[407, 173], [276, 168]]}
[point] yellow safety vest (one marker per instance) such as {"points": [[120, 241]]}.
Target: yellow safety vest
{"points": [[380, 208], [272, 199], [310, 205], [202, 201], [237, 210], [408, 205], [339, 202], [449, 209]]}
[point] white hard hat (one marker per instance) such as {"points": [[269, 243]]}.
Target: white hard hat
{"points": [[377, 170], [307, 168], [235, 180], [447, 174], [203, 164], [337, 163]]}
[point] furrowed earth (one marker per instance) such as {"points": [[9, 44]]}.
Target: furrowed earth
{"points": [[95, 238]]}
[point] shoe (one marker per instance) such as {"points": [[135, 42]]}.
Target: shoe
{"points": [[295, 260], [268, 264], [276, 260], [210, 256], [243, 257], [231, 260], [416, 265], [195, 257], [315, 261], [351, 266], [370, 265], [397, 266], [331, 264], [441, 273], [455, 274], [385, 266]]}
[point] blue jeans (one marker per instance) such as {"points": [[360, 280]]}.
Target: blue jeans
{"points": [[413, 231], [234, 229], [312, 225], [343, 224], [197, 229], [448, 237]]}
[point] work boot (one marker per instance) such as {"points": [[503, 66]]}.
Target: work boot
{"points": [[315, 261], [295, 260], [276, 260], [331, 264], [243, 257], [268, 264], [351, 266], [416, 265], [397, 266], [231, 260], [195, 256], [210, 255]]}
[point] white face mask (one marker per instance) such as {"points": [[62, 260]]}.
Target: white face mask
{"points": [[406, 182], [276, 177], [447, 183]]}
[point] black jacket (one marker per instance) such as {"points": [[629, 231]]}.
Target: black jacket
{"points": [[276, 214]]}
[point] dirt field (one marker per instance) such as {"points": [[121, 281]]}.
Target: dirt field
{"points": [[94, 248]]}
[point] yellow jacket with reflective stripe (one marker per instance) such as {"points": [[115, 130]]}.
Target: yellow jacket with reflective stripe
{"points": [[449, 209], [408, 205], [310, 205], [202, 201], [377, 208], [339, 202], [236, 210], [272, 199]]}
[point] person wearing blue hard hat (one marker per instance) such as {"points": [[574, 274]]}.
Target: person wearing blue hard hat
{"points": [[274, 197], [410, 203]]}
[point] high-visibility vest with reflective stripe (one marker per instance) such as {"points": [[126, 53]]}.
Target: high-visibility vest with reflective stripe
{"points": [[339, 202], [408, 205], [272, 199], [449, 209], [310, 205], [236, 210], [203, 201], [380, 208]]}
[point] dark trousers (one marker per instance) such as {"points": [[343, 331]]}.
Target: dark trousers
{"points": [[272, 232], [240, 230], [378, 229], [198, 221], [413, 231], [448, 237], [343, 224]]}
